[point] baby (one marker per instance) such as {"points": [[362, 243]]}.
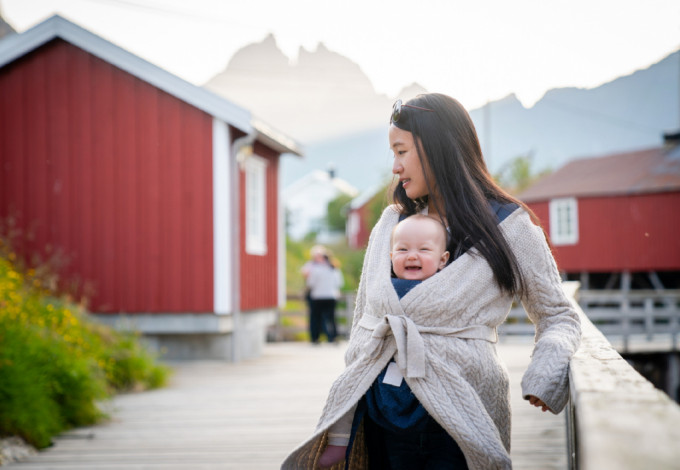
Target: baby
{"points": [[418, 251], [418, 248]]}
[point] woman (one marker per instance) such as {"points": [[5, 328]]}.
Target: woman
{"points": [[324, 281], [442, 333]]}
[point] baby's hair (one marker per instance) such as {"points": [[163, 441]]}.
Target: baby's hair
{"points": [[418, 217]]}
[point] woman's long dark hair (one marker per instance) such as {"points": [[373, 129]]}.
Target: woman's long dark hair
{"points": [[451, 157]]}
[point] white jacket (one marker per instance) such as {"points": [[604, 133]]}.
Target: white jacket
{"points": [[324, 281]]}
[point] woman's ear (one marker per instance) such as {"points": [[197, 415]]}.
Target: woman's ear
{"points": [[444, 259]]}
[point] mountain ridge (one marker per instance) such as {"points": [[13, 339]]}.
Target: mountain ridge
{"points": [[325, 101], [311, 99]]}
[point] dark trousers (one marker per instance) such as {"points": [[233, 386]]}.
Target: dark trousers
{"points": [[432, 449], [322, 319]]}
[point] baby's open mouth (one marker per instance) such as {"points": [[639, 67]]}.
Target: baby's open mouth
{"points": [[413, 268]]}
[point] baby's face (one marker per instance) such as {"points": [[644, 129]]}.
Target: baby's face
{"points": [[418, 249]]}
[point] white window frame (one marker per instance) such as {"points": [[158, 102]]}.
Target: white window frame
{"points": [[255, 169], [564, 221]]}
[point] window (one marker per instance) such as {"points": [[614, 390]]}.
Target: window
{"points": [[256, 207], [564, 221]]}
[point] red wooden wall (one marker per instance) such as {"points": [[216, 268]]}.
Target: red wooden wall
{"points": [[634, 233], [112, 171], [259, 274], [364, 230]]}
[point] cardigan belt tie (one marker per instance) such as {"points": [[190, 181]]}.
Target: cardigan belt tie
{"points": [[410, 345]]}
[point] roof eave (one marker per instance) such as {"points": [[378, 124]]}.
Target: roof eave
{"points": [[603, 194], [17, 45], [275, 139]]}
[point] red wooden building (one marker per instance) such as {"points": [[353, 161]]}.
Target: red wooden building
{"points": [[360, 220], [162, 196], [615, 218]]}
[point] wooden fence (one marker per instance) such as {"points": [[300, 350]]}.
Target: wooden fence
{"points": [[645, 314], [651, 316], [292, 325]]}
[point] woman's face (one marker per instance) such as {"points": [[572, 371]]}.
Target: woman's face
{"points": [[406, 164]]}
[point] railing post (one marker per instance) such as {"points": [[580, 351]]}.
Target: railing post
{"points": [[572, 444], [673, 376], [673, 322], [348, 312], [625, 308], [649, 318]]}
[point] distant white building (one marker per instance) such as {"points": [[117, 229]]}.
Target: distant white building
{"points": [[306, 202]]}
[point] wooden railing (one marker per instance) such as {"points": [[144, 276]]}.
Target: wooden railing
{"points": [[616, 419], [647, 315], [286, 330], [643, 313]]}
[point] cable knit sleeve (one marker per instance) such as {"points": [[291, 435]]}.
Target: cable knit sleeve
{"points": [[558, 330], [360, 302]]}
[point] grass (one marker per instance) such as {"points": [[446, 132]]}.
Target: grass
{"points": [[56, 363]]}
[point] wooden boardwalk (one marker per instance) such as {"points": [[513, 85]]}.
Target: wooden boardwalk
{"points": [[217, 415]]}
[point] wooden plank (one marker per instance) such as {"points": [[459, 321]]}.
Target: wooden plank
{"points": [[539, 440], [250, 415]]}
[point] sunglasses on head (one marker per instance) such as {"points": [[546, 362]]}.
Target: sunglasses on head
{"points": [[396, 109]]}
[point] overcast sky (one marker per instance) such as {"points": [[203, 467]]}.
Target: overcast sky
{"points": [[474, 50]]}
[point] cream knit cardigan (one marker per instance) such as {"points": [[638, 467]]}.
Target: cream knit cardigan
{"points": [[460, 381]]}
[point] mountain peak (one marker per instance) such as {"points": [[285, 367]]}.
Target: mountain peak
{"points": [[331, 94], [257, 56], [268, 39], [411, 91], [321, 48], [510, 99], [324, 59]]}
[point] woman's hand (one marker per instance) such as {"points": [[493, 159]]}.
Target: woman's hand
{"points": [[538, 403]]}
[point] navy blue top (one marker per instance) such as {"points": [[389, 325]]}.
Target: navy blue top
{"points": [[403, 286], [502, 211]]}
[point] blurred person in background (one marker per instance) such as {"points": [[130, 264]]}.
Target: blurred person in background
{"points": [[323, 280]]}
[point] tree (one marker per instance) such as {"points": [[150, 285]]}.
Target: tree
{"points": [[517, 175], [377, 204], [336, 214]]}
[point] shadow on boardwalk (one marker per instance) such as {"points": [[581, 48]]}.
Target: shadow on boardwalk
{"points": [[217, 415]]}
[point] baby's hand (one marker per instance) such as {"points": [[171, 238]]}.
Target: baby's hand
{"points": [[332, 455], [537, 402]]}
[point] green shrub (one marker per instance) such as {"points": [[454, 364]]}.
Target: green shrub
{"points": [[131, 367], [302, 336], [295, 305], [56, 363], [287, 321], [27, 408]]}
